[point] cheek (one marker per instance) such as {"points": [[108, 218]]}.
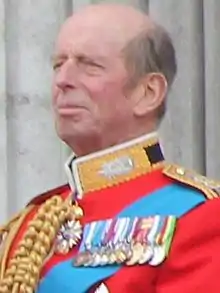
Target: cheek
{"points": [[110, 101], [102, 89]]}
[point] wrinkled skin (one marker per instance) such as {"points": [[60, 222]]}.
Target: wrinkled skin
{"points": [[93, 110]]}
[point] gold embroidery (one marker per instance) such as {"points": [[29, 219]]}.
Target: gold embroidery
{"points": [[93, 177], [209, 187]]}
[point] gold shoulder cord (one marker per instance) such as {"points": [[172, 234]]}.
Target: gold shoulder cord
{"points": [[23, 271], [210, 188], [9, 232]]}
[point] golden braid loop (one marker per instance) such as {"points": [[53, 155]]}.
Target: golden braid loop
{"points": [[4, 230], [7, 227], [23, 271]]}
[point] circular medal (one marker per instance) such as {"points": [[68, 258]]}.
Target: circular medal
{"points": [[82, 258], [104, 256], [112, 257], [104, 259], [158, 257], [96, 259], [137, 251], [120, 256], [148, 253], [127, 250]]}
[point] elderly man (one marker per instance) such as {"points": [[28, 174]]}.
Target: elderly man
{"points": [[127, 221]]}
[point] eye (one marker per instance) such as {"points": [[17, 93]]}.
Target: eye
{"points": [[91, 67], [57, 65], [92, 64], [58, 61]]}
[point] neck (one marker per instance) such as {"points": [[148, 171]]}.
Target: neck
{"points": [[80, 147]]}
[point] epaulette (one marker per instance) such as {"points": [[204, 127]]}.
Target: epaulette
{"points": [[46, 195], [210, 188]]}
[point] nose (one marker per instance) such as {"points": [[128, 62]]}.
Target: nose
{"points": [[65, 76]]}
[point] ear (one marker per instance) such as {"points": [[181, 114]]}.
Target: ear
{"points": [[149, 94]]}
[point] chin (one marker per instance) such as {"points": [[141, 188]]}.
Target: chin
{"points": [[65, 136], [69, 135], [78, 134]]}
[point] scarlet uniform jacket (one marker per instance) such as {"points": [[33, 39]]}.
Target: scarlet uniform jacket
{"points": [[127, 222]]}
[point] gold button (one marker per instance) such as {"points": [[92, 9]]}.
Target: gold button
{"points": [[180, 171]]}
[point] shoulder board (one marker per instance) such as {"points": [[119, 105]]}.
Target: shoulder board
{"points": [[210, 188], [46, 195]]}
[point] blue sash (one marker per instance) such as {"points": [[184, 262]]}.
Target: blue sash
{"points": [[173, 200]]}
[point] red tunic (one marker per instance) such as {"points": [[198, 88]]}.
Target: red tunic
{"points": [[193, 262]]}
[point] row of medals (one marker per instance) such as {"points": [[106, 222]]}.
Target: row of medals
{"points": [[116, 241], [123, 253]]}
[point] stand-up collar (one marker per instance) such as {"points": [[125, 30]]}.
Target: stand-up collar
{"points": [[114, 165]]}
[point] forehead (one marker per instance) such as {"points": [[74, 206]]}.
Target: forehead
{"points": [[90, 36]]}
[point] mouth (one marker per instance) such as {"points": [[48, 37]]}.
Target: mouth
{"points": [[69, 111]]}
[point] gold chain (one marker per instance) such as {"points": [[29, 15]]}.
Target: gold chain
{"points": [[23, 271]]}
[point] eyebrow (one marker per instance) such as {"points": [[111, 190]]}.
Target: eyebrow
{"points": [[56, 57], [80, 57], [84, 57]]}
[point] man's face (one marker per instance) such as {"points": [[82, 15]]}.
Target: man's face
{"points": [[89, 83]]}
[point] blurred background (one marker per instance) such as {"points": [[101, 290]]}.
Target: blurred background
{"points": [[32, 157]]}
